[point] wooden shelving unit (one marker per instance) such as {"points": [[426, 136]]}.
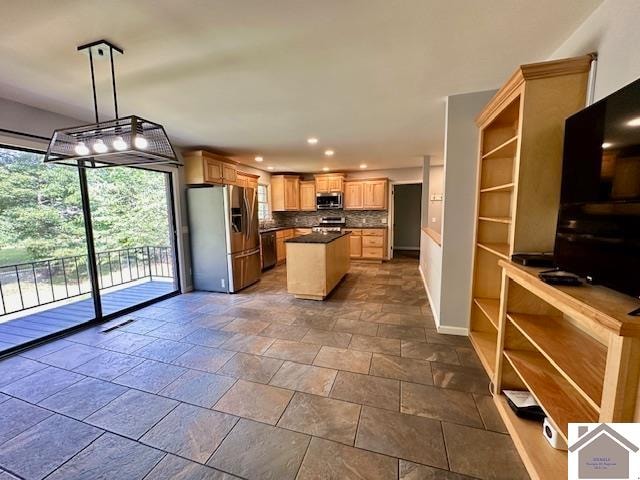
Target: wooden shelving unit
{"points": [[537, 456], [569, 350], [491, 309], [576, 351], [552, 391], [574, 348], [485, 344], [519, 168], [507, 187]]}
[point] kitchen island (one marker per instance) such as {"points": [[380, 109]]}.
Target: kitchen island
{"points": [[316, 263]]}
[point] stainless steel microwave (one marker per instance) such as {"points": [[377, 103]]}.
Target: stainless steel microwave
{"points": [[329, 201]]}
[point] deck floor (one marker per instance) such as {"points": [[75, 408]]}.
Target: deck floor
{"points": [[39, 324]]}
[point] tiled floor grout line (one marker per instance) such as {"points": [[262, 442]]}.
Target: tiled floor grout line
{"points": [[341, 304]]}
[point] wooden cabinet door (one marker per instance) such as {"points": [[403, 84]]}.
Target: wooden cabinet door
{"points": [[291, 194], [229, 173], [335, 184], [375, 194], [212, 171], [281, 252], [353, 199], [308, 196], [355, 246], [322, 185]]}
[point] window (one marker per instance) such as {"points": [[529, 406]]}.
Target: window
{"points": [[263, 202]]}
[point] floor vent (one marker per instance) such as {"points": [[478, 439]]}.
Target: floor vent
{"points": [[121, 324]]}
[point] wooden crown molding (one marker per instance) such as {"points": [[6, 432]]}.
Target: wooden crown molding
{"points": [[533, 71]]}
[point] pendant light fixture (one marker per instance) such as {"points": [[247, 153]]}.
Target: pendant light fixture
{"points": [[123, 141]]}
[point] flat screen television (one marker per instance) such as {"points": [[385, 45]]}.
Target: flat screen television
{"points": [[598, 233]]}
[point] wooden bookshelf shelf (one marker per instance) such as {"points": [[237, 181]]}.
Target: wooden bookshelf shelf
{"points": [[495, 219], [485, 346], [507, 187], [499, 249], [542, 461], [490, 307], [506, 149], [557, 397], [579, 358]]}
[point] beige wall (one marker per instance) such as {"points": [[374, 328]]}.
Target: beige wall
{"points": [[436, 187], [612, 31]]}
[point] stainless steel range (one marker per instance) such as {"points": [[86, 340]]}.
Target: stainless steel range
{"points": [[330, 224]]}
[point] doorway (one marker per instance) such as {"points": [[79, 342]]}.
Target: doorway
{"points": [[407, 211]]}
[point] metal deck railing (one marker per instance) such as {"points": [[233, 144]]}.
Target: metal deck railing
{"points": [[33, 284]]}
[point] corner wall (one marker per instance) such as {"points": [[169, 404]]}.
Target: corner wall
{"points": [[612, 31], [447, 269]]}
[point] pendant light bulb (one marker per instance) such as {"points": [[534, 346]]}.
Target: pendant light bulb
{"points": [[99, 146], [119, 144], [141, 142], [81, 149]]}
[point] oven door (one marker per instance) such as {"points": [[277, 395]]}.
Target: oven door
{"points": [[329, 201]]}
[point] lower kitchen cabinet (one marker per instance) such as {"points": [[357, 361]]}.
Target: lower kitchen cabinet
{"points": [[281, 249], [368, 243]]}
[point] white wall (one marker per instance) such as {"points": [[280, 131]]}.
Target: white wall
{"points": [[436, 187], [447, 269], [612, 30]]}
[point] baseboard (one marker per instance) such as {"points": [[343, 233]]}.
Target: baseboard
{"points": [[426, 289], [462, 331], [445, 329]]}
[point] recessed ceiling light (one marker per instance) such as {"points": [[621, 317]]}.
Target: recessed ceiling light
{"points": [[312, 140], [606, 145], [259, 159], [329, 153], [269, 167], [634, 122], [363, 165], [325, 169]]}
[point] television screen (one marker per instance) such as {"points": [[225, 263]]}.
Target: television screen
{"points": [[598, 232]]}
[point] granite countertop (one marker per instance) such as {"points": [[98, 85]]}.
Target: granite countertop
{"points": [[368, 225], [275, 229], [317, 237]]}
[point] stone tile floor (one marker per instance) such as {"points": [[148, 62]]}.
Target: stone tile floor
{"points": [[259, 385]]}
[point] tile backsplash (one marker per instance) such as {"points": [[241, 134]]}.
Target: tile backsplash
{"points": [[354, 218]]}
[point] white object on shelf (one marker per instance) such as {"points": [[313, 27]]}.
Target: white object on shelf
{"points": [[552, 435]]}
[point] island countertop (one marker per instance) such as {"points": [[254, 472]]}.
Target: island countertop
{"points": [[318, 237]]}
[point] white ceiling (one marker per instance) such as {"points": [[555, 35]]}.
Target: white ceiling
{"points": [[367, 77]]}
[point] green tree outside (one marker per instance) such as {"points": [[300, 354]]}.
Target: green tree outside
{"points": [[41, 214]]}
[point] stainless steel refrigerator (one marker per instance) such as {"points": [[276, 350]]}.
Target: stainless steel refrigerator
{"points": [[225, 243]]}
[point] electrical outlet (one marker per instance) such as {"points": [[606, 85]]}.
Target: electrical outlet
{"points": [[433, 219]]}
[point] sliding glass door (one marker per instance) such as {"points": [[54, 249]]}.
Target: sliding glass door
{"points": [[45, 284], [133, 232], [46, 236]]}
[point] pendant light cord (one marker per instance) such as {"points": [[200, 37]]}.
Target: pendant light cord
{"points": [[93, 85], [113, 83]]}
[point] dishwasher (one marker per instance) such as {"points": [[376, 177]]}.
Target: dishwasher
{"points": [[268, 245]]}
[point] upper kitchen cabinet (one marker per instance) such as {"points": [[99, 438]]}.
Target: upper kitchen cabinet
{"points": [[308, 195], [285, 193], [248, 180], [330, 183], [375, 194], [353, 195], [202, 167], [366, 194]]}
